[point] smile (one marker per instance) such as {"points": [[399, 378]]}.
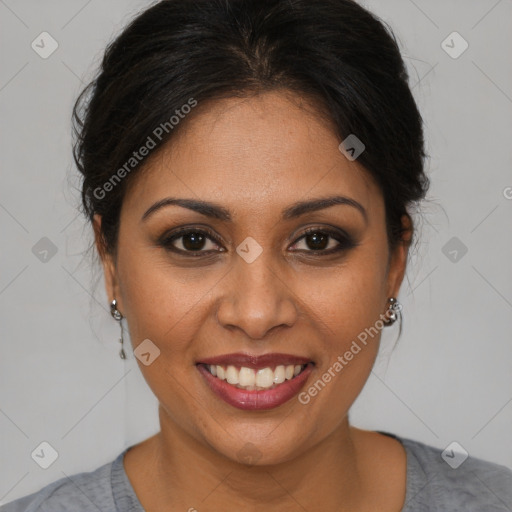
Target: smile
{"points": [[255, 382]]}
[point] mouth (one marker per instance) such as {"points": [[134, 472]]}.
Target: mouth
{"points": [[255, 382], [255, 379]]}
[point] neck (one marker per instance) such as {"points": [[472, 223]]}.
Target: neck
{"points": [[191, 474]]}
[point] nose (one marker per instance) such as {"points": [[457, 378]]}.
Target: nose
{"points": [[256, 299]]}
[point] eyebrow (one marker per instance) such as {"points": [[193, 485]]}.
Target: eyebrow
{"points": [[216, 211]]}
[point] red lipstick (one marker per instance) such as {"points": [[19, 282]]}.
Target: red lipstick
{"points": [[262, 399]]}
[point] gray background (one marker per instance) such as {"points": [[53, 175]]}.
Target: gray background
{"points": [[448, 379]]}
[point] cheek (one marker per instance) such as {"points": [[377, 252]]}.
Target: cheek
{"points": [[166, 305], [348, 307], [163, 302], [346, 299]]}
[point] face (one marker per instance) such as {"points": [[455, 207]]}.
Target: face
{"points": [[256, 272]]}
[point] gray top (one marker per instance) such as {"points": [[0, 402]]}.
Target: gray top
{"points": [[432, 486]]}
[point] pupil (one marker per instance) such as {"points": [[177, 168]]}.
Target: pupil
{"points": [[316, 241], [193, 241]]}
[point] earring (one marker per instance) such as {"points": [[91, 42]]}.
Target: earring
{"points": [[117, 315], [394, 309]]}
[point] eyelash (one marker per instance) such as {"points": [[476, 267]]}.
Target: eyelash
{"points": [[344, 240]]}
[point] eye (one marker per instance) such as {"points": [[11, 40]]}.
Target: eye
{"points": [[201, 241], [324, 241], [190, 240]]}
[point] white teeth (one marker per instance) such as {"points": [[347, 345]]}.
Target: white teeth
{"points": [[279, 375], [232, 375], [264, 378], [247, 378]]}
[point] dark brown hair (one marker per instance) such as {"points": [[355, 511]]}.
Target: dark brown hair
{"points": [[178, 51]]}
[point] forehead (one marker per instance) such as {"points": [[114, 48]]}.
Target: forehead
{"points": [[261, 152]]}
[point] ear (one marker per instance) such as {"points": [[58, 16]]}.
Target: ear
{"points": [[398, 258], [107, 260]]}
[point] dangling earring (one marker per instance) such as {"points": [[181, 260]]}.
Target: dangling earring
{"points": [[394, 310], [116, 314]]}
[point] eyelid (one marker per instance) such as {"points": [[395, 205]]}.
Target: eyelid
{"points": [[339, 232], [179, 232]]}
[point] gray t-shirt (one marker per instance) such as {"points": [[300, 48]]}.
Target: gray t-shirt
{"points": [[432, 486]]}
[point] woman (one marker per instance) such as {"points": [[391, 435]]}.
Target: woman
{"points": [[249, 169]]}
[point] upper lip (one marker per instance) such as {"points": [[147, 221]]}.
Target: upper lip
{"points": [[255, 362]]}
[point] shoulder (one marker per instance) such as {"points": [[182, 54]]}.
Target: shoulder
{"points": [[440, 480], [84, 492]]}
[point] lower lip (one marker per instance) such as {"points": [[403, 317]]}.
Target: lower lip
{"points": [[256, 400]]}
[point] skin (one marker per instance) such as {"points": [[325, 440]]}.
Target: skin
{"points": [[255, 157]]}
